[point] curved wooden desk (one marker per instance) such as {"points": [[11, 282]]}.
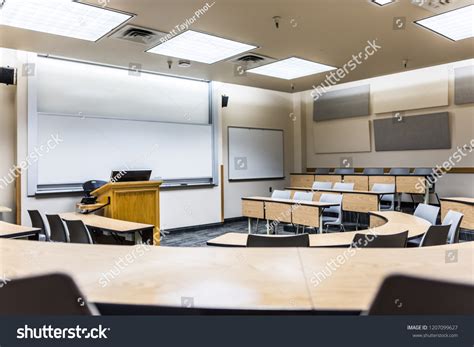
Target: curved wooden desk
{"points": [[463, 205], [233, 278], [382, 223], [8, 230]]}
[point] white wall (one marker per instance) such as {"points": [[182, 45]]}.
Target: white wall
{"points": [[7, 136]]}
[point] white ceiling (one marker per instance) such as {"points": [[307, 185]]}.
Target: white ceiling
{"points": [[325, 31]]}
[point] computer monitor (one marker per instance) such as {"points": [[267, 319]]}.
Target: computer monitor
{"points": [[130, 175]]}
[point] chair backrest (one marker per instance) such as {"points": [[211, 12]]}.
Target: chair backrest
{"points": [[373, 171], [406, 295], [322, 185], [322, 171], [78, 232], [58, 231], [281, 194], [400, 171], [343, 186], [90, 186], [38, 222], [436, 235], [428, 171], [454, 219], [301, 240], [385, 187], [380, 241], [52, 294], [427, 212], [333, 199], [344, 171], [303, 196]]}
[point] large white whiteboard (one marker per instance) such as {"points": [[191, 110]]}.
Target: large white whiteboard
{"points": [[92, 147], [255, 153]]}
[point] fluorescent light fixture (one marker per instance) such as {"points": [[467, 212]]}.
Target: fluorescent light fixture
{"points": [[382, 2], [291, 68], [200, 47], [455, 25], [62, 17]]}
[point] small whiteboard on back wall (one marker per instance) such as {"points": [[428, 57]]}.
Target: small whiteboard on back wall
{"points": [[255, 154]]}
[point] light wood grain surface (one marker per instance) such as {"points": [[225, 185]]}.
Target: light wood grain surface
{"points": [[13, 230], [462, 205], [105, 223], [235, 278], [395, 222]]}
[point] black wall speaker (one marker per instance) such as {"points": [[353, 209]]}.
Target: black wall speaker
{"points": [[7, 75], [225, 100]]}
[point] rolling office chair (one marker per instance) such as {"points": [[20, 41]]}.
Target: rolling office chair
{"points": [[344, 171], [436, 235], [373, 171], [343, 186], [337, 210], [301, 240], [453, 219], [52, 295], [322, 171], [88, 188], [380, 187], [322, 185], [38, 222], [407, 295], [58, 232], [78, 232], [428, 213], [380, 241]]}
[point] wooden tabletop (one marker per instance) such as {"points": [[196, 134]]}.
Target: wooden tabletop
{"points": [[234, 278], [344, 191], [9, 230], [4, 209], [105, 223], [467, 201], [396, 222], [291, 201]]}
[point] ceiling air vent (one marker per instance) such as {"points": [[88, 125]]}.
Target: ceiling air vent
{"points": [[251, 60], [440, 6], [136, 34]]}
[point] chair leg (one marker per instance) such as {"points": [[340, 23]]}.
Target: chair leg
{"points": [[357, 221]]}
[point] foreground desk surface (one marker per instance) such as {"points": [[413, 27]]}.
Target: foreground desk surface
{"points": [[463, 205], [235, 278], [8, 230], [382, 223]]}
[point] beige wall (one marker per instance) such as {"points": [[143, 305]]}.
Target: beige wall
{"points": [[462, 132], [7, 136]]}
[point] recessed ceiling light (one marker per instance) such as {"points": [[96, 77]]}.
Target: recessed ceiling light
{"points": [[62, 17], [200, 47], [382, 2], [455, 25], [291, 68]]}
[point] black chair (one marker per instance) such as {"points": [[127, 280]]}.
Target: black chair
{"points": [[88, 188], [322, 171], [78, 232], [406, 295], [301, 240], [373, 171], [399, 171], [38, 222], [436, 235], [58, 232], [344, 171], [380, 241], [53, 294]]}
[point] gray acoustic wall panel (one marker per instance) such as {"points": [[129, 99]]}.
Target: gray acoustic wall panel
{"points": [[413, 133], [464, 85], [344, 103]]}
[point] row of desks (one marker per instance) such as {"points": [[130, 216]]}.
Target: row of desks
{"points": [[234, 278]]}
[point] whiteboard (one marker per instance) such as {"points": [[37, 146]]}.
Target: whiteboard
{"points": [[255, 153], [91, 148]]}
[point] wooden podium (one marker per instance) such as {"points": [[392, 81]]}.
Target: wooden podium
{"points": [[137, 202]]}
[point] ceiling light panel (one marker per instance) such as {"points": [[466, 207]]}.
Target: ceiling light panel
{"points": [[62, 17], [200, 47], [291, 68], [455, 25]]}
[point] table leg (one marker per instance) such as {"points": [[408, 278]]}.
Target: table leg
{"points": [[426, 199], [268, 228], [250, 225], [320, 231]]}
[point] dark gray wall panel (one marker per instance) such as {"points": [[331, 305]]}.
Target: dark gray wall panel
{"points": [[464, 85], [413, 133], [344, 103]]}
